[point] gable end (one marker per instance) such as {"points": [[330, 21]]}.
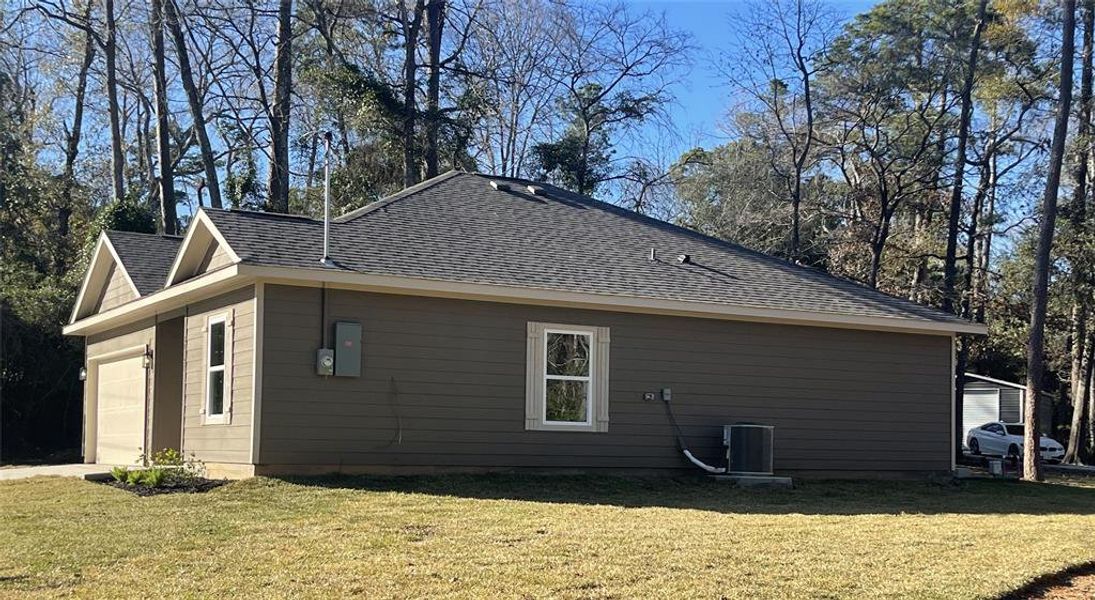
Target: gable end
{"points": [[106, 284], [203, 250]]}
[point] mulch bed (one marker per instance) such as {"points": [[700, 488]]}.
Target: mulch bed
{"points": [[196, 486]]}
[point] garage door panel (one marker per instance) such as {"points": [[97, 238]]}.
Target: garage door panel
{"points": [[120, 396], [979, 407]]}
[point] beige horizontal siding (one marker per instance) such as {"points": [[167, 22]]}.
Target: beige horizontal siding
{"points": [[443, 384], [117, 290], [215, 258], [229, 442]]}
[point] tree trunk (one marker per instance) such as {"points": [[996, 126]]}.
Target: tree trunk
{"points": [[412, 24], [1032, 463], [435, 23], [186, 74], [278, 180], [878, 244], [72, 145], [1078, 226], [802, 157], [984, 257], [313, 148], [950, 265], [110, 53], [920, 269], [1079, 399], [1089, 374], [877, 248], [168, 217], [1090, 451]]}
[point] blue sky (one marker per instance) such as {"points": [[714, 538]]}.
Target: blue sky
{"points": [[703, 98]]}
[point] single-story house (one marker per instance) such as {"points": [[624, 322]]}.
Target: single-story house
{"points": [[985, 400], [476, 323]]}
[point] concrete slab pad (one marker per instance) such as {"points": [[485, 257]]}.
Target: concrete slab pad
{"points": [[757, 481], [79, 471]]}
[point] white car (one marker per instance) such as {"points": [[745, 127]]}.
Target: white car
{"points": [[1006, 439]]}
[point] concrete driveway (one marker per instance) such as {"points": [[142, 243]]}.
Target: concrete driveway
{"points": [[79, 471]]}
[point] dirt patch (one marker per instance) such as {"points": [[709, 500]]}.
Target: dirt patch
{"points": [[196, 486], [1076, 583]]}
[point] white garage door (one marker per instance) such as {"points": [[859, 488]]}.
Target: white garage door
{"points": [[120, 423], [979, 407]]}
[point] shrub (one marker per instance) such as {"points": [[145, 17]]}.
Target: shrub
{"points": [[120, 474], [168, 457], [153, 477], [133, 477]]}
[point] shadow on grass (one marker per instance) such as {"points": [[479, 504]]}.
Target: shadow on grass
{"points": [[699, 493], [1040, 585]]}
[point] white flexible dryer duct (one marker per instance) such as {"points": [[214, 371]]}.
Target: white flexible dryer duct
{"points": [[684, 447], [699, 463]]}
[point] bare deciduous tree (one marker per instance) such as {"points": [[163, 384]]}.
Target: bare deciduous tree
{"points": [[194, 101], [781, 54]]}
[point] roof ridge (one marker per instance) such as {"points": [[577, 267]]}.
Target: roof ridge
{"points": [[264, 213], [403, 193], [169, 236], [775, 260]]}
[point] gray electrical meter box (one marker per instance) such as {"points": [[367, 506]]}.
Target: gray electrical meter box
{"points": [[347, 349], [325, 362]]}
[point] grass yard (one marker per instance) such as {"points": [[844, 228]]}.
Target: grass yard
{"points": [[540, 537]]}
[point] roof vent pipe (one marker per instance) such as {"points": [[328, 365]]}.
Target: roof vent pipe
{"points": [[326, 260], [653, 254], [499, 185]]}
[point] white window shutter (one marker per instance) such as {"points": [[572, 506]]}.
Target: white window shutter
{"points": [[600, 379], [229, 362], [534, 375]]}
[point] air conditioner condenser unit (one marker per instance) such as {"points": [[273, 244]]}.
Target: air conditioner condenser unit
{"points": [[748, 448]]}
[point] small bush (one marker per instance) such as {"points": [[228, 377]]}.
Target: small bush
{"points": [[153, 477], [120, 474], [133, 477], [168, 457]]}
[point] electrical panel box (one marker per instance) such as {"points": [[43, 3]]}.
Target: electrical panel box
{"points": [[347, 349], [325, 362]]}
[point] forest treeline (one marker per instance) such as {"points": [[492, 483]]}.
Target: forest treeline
{"points": [[923, 147]]}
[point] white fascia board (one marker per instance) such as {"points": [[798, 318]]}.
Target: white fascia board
{"points": [[163, 301], [524, 295]]}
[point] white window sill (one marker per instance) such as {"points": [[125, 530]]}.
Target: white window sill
{"points": [[216, 420], [576, 427]]}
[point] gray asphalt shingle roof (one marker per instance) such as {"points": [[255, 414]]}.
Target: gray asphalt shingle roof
{"points": [[458, 228], [147, 257]]}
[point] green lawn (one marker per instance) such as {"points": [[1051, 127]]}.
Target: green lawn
{"points": [[540, 537]]}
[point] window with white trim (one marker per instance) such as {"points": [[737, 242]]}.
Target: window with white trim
{"points": [[216, 378], [567, 371]]}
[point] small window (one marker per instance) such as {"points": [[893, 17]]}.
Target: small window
{"points": [[216, 383], [567, 387]]}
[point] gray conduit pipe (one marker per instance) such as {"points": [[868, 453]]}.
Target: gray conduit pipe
{"points": [[684, 447]]}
